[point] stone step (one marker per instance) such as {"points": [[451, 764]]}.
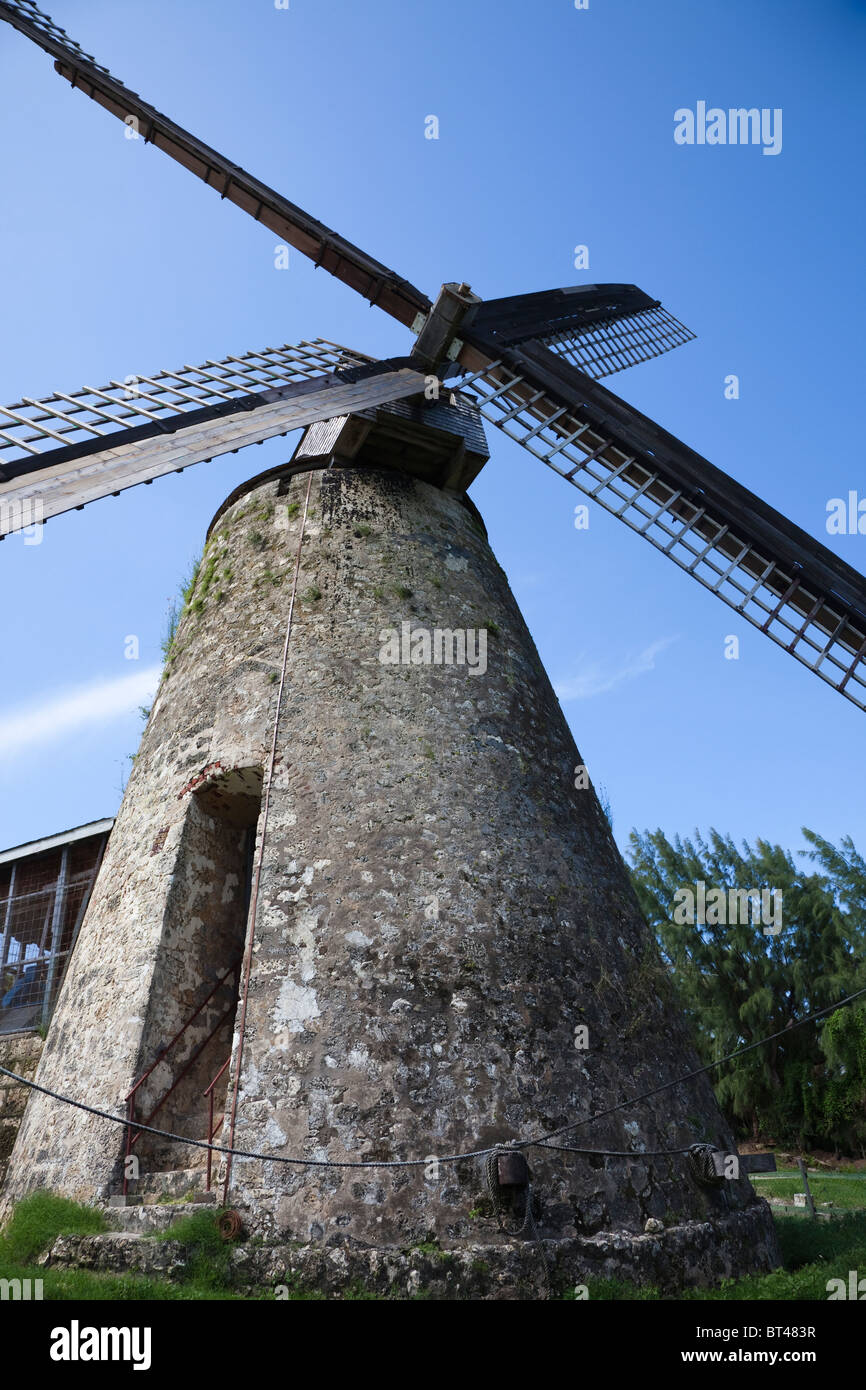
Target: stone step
{"points": [[175, 1186], [117, 1202], [177, 1181], [146, 1218]]}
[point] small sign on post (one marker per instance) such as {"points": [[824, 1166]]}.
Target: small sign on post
{"points": [[810, 1204]]}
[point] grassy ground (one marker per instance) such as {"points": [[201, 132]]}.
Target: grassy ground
{"points": [[846, 1192], [33, 1228], [813, 1252], [41, 1218]]}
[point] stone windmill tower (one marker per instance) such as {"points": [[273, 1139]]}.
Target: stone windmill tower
{"points": [[361, 905]]}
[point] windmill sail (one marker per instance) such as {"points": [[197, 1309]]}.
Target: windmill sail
{"points": [[775, 575], [325, 247], [601, 329], [66, 450], [532, 362]]}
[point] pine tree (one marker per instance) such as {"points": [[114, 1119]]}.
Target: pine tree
{"points": [[843, 1037], [738, 983]]}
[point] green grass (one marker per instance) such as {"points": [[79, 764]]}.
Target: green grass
{"points": [[208, 1256], [63, 1285], [846, 1193], [178, 607], [38, 1220], [795, 1173]]}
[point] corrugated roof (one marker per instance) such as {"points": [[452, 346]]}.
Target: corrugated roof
{"points": [[66, 837]]}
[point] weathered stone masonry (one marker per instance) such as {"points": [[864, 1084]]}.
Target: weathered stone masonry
{"points": [[19, 1053], [441, 909]]}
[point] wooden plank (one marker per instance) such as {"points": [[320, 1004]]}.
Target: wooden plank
{"points": [[623, 432], [769, 530], [520, 316], [334, 253], [65, 486]]}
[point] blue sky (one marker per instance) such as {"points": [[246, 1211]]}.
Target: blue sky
{"points": [[556, 129]]}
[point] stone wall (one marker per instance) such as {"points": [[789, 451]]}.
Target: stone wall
{"points": [[448, 951], [19, 1053]]}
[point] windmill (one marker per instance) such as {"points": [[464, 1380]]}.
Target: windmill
{"points": [[532, 362], [391, 446]]}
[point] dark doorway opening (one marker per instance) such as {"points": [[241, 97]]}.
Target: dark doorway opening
{"points": [[188, 1034]]}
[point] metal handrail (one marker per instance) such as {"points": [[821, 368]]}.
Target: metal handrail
{"points": [[211, 1131], [130, 1098]]}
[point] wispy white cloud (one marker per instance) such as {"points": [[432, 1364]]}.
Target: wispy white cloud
{"points": [[96, 703], [597, 679]]}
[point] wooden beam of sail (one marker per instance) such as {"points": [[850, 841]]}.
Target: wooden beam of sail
{"points": [[45, 482], [768, 570], [376, 282], [601, 329]]}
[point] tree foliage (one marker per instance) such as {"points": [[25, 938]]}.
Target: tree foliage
{"points": [[741, 981]]}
